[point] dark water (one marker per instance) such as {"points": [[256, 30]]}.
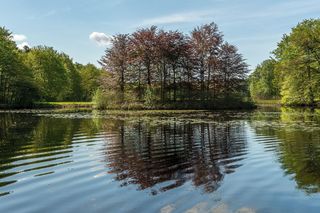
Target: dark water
{"points": [[261, 161]]}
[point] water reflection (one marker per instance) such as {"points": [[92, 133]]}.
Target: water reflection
{"points": [[34, 145], [95, 162], [298, 145], [167, 155]]}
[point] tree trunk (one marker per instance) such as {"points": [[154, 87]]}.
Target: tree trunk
{"points": [[174, 84], [164, 83], [149, 75], [208, 82], [310, 90], [139, 86], [122, 85]]}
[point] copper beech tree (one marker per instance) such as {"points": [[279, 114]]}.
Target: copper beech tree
{"points": [[175, 67]]}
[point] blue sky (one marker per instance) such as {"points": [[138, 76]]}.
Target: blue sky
{"points": [[254, 26]]}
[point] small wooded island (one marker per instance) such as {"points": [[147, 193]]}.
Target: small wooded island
{"points": [[157, 69]]}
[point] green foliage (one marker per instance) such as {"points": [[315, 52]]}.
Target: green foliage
{"points": [[90, 76], [16, 83], [298, 64], [42, 74], [57, 77], [104, 99], [150, 97], [74, 89], [262, 82], [294, 74], [49, 73]]}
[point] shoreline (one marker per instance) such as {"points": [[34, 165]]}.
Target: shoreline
{"points": [[128, 107], [88, 106]]}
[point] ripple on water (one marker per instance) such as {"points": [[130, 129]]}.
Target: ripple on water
{"points": [[73, 163]]}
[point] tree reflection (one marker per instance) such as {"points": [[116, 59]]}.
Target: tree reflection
{"points": [[166, 155], [32, 140], [298, 149], [15, 131], [34, 133]]}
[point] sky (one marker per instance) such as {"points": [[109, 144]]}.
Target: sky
{"points": [[83, 28]]}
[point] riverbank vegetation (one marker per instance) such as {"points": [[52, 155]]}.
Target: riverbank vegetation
{"points": [[153, 68], [42, 74], [157, 69], [293, 74], [148, 69]]}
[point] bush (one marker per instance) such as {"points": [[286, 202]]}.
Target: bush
{"points": [[104, 99], [149, 97]]}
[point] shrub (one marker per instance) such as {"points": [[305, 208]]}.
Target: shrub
{"points": [[104, 99]]}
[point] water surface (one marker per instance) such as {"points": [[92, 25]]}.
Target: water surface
{"points": [[260, 161]]}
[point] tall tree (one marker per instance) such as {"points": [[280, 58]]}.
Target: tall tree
{"points": [[298, 56], [263, 82], [74, 90], [172, 67], [175, 51], [16, 83], [116, 59], [49, 73], [206, 41], [89, 75], [144, 45], [233, 69]]}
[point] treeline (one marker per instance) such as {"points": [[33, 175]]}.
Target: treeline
{"points": [[154, 67], [293, 74], [42, 74]]}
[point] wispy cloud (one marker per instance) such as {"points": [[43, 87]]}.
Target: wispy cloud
{"points": [[235, 14], [282, 9], [50, 13], [178, 18], [101, 39]]}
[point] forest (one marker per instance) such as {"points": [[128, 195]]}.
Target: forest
{"points": [[168, 69], [150, 68], [42, 74], [156, 69], [292, 74]]}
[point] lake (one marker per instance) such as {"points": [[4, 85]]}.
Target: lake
{"points": [[267, 160]]}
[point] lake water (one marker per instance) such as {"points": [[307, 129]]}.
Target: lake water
{"points": [[267, 160]]}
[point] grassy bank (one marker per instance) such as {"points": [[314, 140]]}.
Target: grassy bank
{"points": [[277, 103], [64, 105], [270, 102], [179, 105], [132, 106]]}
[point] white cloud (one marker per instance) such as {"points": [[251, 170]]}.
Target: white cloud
{"points": [[100, 38], [19, 37], [22, 45], [21, 41], [178, 18]]}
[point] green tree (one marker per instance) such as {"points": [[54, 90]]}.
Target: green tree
{"points": [[74, 90], [298, 56], [263, 82], [49, 73], [89, 75], [16, 82]]}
